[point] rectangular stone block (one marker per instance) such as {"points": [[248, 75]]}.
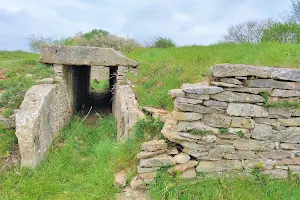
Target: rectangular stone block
{"points": [[270, 83], [196, 125], [197, 108], [285, 93], [199, 88], [253, 145], [217, 120], [250, 90], [186, 116], [83, 56], [237, 97], [219, 166], [246, 110]]}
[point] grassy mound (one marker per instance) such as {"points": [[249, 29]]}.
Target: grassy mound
{"points": [[163, 69]]}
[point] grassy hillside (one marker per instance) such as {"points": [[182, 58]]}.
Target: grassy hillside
{"points": [[163, 69]]}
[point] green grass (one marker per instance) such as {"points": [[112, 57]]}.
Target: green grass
{"points": [[102, 84], [234, 188], [80, 165], [163, 69], [21, 71], [8, 140]]}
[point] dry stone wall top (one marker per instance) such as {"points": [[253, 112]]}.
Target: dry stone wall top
{"points": [[246, 117]]}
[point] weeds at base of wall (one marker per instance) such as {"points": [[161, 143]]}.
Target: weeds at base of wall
{"points": [[283, 104], [148, 128], [254, 186]]}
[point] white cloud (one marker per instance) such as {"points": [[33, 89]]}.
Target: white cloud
{"points": [[187, 22]]}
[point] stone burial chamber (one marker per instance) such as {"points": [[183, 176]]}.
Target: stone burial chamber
{"points": [[49, 106], [246, 117]]}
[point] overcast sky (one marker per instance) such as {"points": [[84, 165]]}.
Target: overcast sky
{"points": [[185, 21]]}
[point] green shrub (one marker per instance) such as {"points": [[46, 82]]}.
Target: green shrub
{"points": [[283, 33], [163, 42]]}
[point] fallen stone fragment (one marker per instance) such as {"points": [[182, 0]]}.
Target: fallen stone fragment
{"points": [[182, 158], [188, 174], [246, 110], [154, 145], [201, 89], [120, 179]]}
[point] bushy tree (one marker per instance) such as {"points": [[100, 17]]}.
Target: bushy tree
{"points": [[35, 41], [294, 14], [247, 32], [164, 42], [288, 32]]}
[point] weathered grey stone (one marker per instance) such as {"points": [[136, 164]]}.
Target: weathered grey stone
{"points": [[282, 167], [219, 166], [188, 101], [176, 93], [209, 138], [294, 168], [227, 85], [198, 96], [275, 112], [196, 153], [145, 154], [237, 97], [192, 136], [196, 125], [289, 161], [87, 56], [289, 122], [246, 110], [172, 151], [199, 88], [295, 112], [182, 158], [189, 173], [290, 135], [276, 173], [213, 103], [154, 145], [251, 163], [274, 155], [216, 120], [137, 183], [148, 176], [241, 155], [285, 93], [288, 146], [253, 145], [229, 70], [45, 81], [270, 83], [239, 122], [157, 161], [186, 116], [195, 146], [267, 121], [250, 90], [231, 80], [120, 179], [185, 166], [146, 170], [262, 131], [197, 108], [220, 150], [241, 77], [175, 137]]}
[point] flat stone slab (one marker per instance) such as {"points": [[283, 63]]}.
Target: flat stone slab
{"points": [[199, 88], [89, 56], [230, 70]]}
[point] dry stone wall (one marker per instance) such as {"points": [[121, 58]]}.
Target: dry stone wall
{"points": [[45, 110], [246, 117]]}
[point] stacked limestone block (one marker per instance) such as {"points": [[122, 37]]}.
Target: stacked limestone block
{"points": [[155, 154], [226, 126]]}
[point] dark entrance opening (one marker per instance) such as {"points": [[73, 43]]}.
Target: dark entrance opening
{"points": [[92, 89]]}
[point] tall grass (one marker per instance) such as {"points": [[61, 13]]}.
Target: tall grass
{"points": [[163, 69], [80, 165]]}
